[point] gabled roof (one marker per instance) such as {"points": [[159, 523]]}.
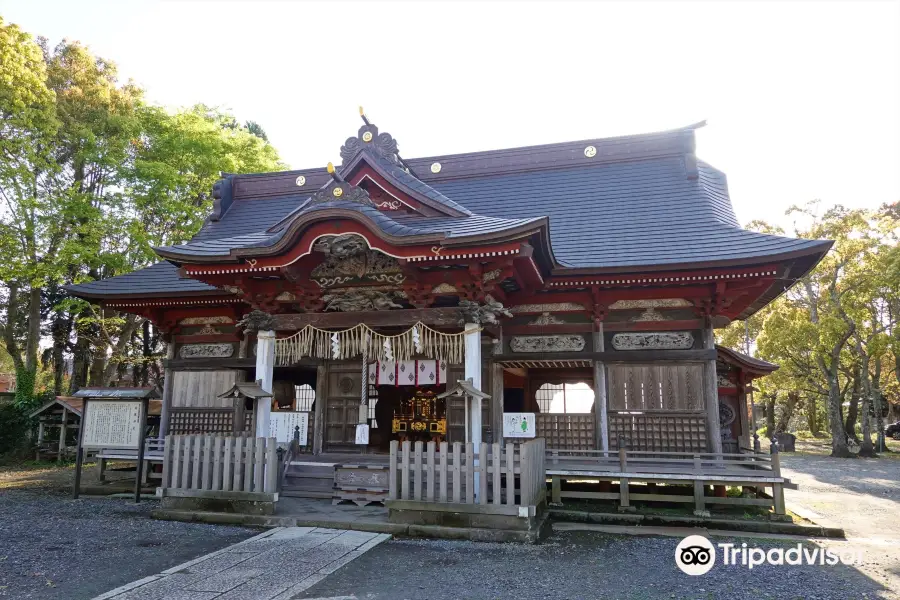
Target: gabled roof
{"points": [[625, 204]]}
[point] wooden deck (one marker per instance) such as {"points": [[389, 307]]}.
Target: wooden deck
{"points": [[752, 472]]}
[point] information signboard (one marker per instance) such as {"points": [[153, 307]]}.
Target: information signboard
{"points": [[112, 424], [518, 425], [282, 425]]}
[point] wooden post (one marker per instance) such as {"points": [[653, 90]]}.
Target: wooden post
{"points": [[404, 471], [699, 490], [40, 439], [79, 452], [601, 419], [392, 484], [555, 489], [167, 391], [624, 498], [321, 399], [429, 480], [417, 471], [497, 402], [265, 373], [473, 372], [442, 490], [62, 435], [777, 488], [711, 386]]}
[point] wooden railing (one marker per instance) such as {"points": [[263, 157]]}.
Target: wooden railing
{"points": [[641, 461], [218, 463], [752, 471], [507, 475]]}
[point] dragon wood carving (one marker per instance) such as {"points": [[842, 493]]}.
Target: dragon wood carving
{"points": [[348, 258]]}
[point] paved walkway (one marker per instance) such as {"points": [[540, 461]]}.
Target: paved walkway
{"points": [[276, 565]]}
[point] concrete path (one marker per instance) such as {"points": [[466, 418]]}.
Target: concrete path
{"points": [[275, 565]]}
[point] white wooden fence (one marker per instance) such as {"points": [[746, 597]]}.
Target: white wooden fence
{"points": [[219, 463], [508, 475]]}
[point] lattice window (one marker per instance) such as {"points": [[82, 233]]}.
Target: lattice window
{"points": [[566, 432], [565, 398], [665, 433], [304, 396], [373, 400], [202, 421]]}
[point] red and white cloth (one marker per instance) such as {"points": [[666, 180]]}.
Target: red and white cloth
{"points": [[408, 372]]}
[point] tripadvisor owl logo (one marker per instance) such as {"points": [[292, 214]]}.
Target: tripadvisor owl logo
{"points": [[695, 555]]}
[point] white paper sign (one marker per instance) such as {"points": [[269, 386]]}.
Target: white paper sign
{"points": [[112, 424], [362, 434], [518, 425], [282, 425]]}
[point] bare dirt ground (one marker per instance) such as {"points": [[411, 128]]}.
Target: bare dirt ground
{"points": [[861, 495]]}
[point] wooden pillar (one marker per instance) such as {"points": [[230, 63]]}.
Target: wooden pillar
{"points": [[40, 438], [746, 437], [168, 376], [713, 429], [473, 372], [497, 402], [62, 434], [265, 373], [319, 413], [601, 419]]}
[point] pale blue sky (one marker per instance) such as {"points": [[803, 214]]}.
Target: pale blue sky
{"points": [[802, 99]]}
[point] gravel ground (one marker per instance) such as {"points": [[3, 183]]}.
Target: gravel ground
{"points": [[578, 565], [53, 547]]}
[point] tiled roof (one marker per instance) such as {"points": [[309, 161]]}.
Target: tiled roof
{"points": [[638, 201], [160, 279], [625, 214]]}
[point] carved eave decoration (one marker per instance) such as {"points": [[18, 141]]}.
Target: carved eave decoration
{"points": [[348, 259]]}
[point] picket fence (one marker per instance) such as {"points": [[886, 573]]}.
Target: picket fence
{"points": [[508, 475], [219, 463]]}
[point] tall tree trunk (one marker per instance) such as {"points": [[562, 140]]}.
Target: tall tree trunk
{"points": [[812, 417], [878, 400], [853, 410], [61, 329], [866, 448], [128, 329], [32, 342], [770, 413], [787, 412], [838, 435]]}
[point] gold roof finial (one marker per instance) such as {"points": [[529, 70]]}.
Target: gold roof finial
{"points": [[330, 169], [362, 113]]}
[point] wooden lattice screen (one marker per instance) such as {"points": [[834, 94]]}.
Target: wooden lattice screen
{"points": [[566, 431], [652, 387], [203, 420], [658, 431]]}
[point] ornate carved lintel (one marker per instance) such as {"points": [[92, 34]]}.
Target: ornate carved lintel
{"points": [[547, 343]]}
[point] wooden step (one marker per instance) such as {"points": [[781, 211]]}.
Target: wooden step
{"points": [[289, 493]]}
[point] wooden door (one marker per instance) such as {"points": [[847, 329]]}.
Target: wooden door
{"points": [[342, 408]]}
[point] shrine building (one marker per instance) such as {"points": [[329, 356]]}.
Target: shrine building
{"points": [[579, 281]]}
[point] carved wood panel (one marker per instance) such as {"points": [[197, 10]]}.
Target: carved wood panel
{"points": [[655, 387], [196, 389]]}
